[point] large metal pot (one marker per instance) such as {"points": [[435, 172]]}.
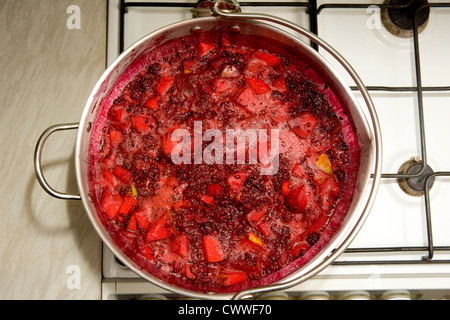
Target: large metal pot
{"points": [[125, 67]]}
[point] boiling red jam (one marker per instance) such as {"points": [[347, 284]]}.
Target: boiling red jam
{"points": [[223, 226]]}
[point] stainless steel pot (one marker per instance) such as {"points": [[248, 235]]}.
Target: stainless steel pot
{"points": [[112, 81]]}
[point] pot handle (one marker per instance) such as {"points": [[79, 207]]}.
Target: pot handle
{"points": [[37, 161]]}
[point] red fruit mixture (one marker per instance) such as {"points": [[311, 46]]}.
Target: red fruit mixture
{"points": [[221, 227]]}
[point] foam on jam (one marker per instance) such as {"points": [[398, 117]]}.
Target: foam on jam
{"points": [[223, 227]]}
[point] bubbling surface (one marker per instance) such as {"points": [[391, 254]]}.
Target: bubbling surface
{"points": [[223, 226]]}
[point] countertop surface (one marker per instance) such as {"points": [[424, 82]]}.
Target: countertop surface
{"points": [[52, 52]]}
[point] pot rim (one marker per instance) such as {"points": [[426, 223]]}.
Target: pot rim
{"points": [[322, 259]]}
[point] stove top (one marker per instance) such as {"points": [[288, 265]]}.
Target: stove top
{"points": [[405, 243]]}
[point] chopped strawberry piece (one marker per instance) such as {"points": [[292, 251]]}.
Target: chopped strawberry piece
{"points": [[248, 99], [279, 84], [225, 43], [123, 174], [315, 228], [191, 66], [188, 271], [161, 229], [231, 277], [329, 191], [258, 67], [317, 225], [214, 190], [180, 245], [171, 139], [143, 218], [236, 182], [218, 63], [147, 252], [152, 103], [207, 199], [205, 48], [118, 117], [271, 59], [297, 199], [142, 124], [115, 136], [265, 229], [303, 125], [128, 204], [169, 144], [246, 245], [255, 216], [116, 113], [285, 188], [129, 237], [171, 258], [298, 171], [259, 86], [132, 224], [222, 85], [212, 249], [111, 178], [320, 177], [110, 203], [164, 85], [122, 126]]}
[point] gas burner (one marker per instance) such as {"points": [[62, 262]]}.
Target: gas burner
{"points": [[400, 20], [415, 186]]}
